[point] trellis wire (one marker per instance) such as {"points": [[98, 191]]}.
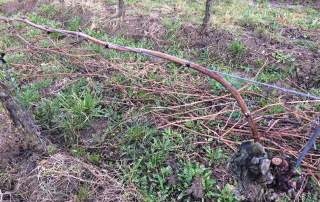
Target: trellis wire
{"points": [[286, 90]]}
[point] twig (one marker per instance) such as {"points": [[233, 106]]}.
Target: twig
{"points": [[234, 92]]}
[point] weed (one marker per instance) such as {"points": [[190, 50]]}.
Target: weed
{"points": [[189, 173], [272, 74], [227, 194], [70, 111], [158, 177], [138, 133], [15, 57], [282, 57], [8, 41], [217, 88], [237, 48], [30, 94], [52, 149], [316, 91], [113, 54], [214, 156], [48, 11], [44, 21], [277, 109], [312, 46], [94, 158], [74, 23], [83, 193], [78, 151]]}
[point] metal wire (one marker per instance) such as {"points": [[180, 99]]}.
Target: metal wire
{"points": [[272, 86]]}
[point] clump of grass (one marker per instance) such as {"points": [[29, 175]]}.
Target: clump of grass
{"points": [[83, 193], [30, 94], [272, 74], [277, 109], [215, 156], [48, 11], [69, 112], [74, 23], [237, 48]]}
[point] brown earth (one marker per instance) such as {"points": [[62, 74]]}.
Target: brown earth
{"points": [[11, 141]]}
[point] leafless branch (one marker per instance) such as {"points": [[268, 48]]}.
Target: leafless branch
{"points": [[233, 91]]}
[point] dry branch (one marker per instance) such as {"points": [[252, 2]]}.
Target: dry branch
{"points": [[233, 91]]}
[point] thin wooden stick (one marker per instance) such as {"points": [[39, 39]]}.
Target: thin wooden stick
{"points": [[233, 91]]}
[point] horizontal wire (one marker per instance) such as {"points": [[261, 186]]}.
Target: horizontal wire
{"points": [[272, 86]]}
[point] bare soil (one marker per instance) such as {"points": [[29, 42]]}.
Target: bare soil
{"points": [[11, 141]]}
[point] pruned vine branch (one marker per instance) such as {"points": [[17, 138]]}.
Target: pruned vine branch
{"points": [[233, 91]]}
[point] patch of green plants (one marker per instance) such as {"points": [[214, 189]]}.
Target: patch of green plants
{"points": [[83, 193], [312, 46], [265, 14], [80, 152], [3, 1], [194, 171], [227, 194], [282, 57], [173, 26], [38, 19], [217, 88], [30, 94], [277, 109], [74, 23], [272, 74], [316, 91], [69, 112], [48, 11], [157, 163], [310, 21], [214, 156], [15, 57], [43, 20], [7, 41], [52, 149], [237, 48]]}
